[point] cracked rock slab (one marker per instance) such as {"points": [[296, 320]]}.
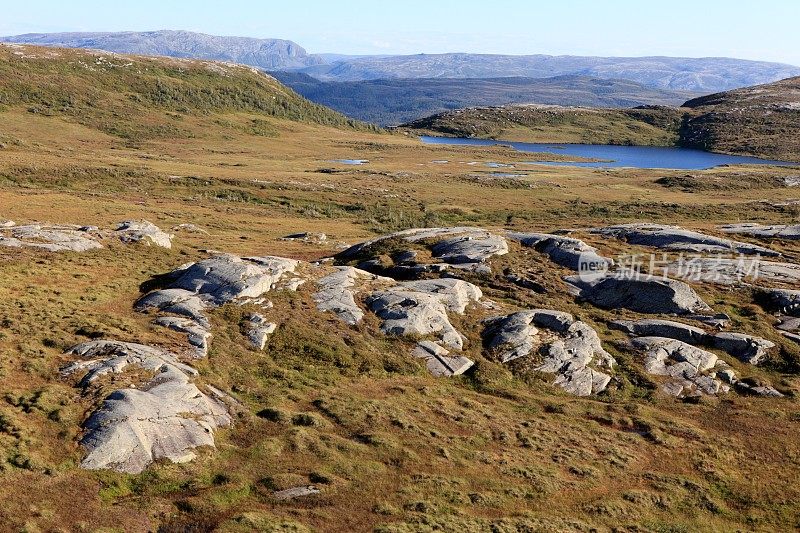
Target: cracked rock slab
{"points": [[689, 370], [225, 278], [570, 349], [439, 361]]}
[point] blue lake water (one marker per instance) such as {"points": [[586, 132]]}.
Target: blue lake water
{"points": [[618, 156], [350, 161]]}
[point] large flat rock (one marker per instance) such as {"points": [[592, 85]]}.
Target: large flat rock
{"points": [[748, 348], [53, 238], [421, 307], [780, 231], [674, 238], [640, 293]]}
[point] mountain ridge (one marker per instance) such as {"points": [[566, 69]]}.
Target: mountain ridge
{"points": [[262, 53], [694, 74]]}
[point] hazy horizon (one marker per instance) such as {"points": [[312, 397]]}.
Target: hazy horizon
{"points": [[577, 27]]}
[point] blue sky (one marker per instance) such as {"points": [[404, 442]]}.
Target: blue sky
{"points": [[765, 30]]}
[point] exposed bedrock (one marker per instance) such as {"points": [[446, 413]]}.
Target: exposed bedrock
{"points": [[164, 417]]}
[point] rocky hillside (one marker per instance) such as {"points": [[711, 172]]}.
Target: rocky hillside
{"points": [[395, 101], [763, 120], [268, 54], [137, 97], [674, 73]]}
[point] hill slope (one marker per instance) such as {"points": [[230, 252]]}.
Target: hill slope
{"points": [[764, 119], [686, 74], [653, 126], [132, 96], [394, 101], [263, 53]]}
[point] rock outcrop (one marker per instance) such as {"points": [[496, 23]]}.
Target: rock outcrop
{"points": [[164, 417], [661, 328], [336, 293], [464, 248], [640, 293], [690, 370], [73, 238], [786, 301], [569, 348], [51, 238], [674, 238], [421, 307], [780, 231], [143, 231], [565, 251], [747, 348], [730, 271]]}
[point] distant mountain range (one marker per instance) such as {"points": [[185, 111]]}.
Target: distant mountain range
{"points": [[675, 73], [394, 101], [268, 54]]}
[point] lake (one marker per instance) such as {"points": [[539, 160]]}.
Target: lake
{"points": [[618, 156]]}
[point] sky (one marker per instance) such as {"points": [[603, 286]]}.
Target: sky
{"points": [[765, 30]]}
